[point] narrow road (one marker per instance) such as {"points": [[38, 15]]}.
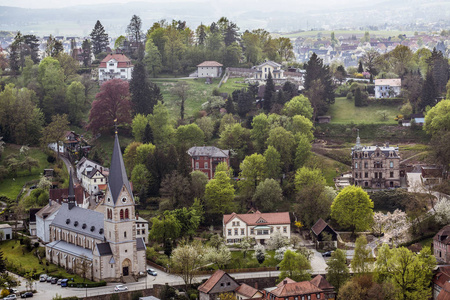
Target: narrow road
{"points": [[68, 166]]}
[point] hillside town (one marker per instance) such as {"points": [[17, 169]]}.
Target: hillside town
{"points": [[214, 162]]}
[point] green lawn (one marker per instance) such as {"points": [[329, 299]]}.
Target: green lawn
{"points": [[344, 111], [104, 145], [19, 256], [238, 261], [10, 187], [330, 167]]}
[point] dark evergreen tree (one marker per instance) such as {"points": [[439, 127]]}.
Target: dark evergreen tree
{"points": [[134, 31], [429, 93], [253, 88], [148, 135], [319, 74], [14, 57], [439, 67], [201, 35], [2, 263], [358, 97], [290, 90], [99, 38], [360, 67], [231, 34], [86, 50], [244, 103], [32, 47], [141, 91], [184, 161], [229, 105], [269, 93]]}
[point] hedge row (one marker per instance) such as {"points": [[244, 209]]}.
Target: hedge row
{"points": [[386, 101], [86, 285]]}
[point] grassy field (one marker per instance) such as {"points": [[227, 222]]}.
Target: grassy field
{"points": [[10, 187], [347, 33], [19, 256], [105, 143], [330, 167], [344, 111], [199, 93]]}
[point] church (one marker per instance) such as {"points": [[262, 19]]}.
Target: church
{"points": [[101, 244]]}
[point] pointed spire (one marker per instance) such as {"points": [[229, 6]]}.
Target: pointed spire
{"points": [[71, 197], [358, 140], [117, 173]]}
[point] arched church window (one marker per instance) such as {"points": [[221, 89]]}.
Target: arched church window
{"points": [[121, 214], [127, 216]]}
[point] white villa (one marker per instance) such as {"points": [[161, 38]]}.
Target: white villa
{"points": [[262, 71], [255, 225], [387, 88], [115, 66]]}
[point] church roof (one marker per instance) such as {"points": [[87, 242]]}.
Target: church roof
{"points": [[69, 248], [80, 220], [117, 173], [104, 249]]}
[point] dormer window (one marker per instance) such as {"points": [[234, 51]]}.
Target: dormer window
{"points": [[68, 221], [92, 228], [75, 224]]}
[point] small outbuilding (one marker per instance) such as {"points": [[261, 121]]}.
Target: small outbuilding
{"points": [[209, 69], [5, 232], [323, 235]]}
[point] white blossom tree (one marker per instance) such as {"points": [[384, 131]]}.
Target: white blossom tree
{"points": [[394, 225], [277, 240], [220, 257], [442, 209]]}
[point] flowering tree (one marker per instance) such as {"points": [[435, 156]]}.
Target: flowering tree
{"points": [[220, 257], [260, 253], [442, 209], [277, 240], [394, 225]]}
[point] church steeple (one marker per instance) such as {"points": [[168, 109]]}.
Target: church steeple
{"points": [[117, 174], [71, 197]]}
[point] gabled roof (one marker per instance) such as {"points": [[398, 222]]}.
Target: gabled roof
{"points": [[321, 283], [211, 282], [61, 195], [444, 294], [270, 63], [122, 60], [319, 226], [117, 173], [252, 219], [284, 281], [246, 290], [295, 289], [210, 63], [48, 209], [208, 151], [442, 276], [443, 235]]}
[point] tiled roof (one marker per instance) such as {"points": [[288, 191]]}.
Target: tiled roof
{"points": [[321, 283], [208, 151], [296, 288], [389, 82], [210, 63], [211, 282], [442, 276], [443, 235], [284, 281], [120, 58], [269, 218], [48, 209], [445, 292], [319, 226], [246, 290], [270, 63], [61, 195]]}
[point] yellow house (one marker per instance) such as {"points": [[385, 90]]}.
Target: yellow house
{"points": [[263, 70]]}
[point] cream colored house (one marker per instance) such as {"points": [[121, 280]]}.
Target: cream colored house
{"points": [[257, 225], [387, 88], [115, 66], [263, 70], [209, 69]]}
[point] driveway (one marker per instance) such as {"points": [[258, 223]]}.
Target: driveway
{"points": [[318, 263]]}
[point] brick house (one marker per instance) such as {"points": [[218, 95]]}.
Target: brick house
{"points": [[288, 289], [440, 283], [206, 158], [441, 245], [255, 225]]}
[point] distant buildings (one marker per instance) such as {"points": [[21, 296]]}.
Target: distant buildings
{"points": [[115, 66], [375, 166]]}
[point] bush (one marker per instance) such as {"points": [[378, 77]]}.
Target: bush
{"points": [[349, 96], [86, 284], [51, 158]]}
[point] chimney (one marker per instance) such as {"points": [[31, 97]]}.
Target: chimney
{"points": [[387, 144], [256, 285], [137, 215], [49, 202]]}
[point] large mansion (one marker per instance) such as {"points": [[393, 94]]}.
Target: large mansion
{"points": [[115, 66]]}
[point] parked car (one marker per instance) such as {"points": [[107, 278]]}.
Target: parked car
{"points": [[13, 291], [327, 254], [54, 280], [64, 282], [152, 272], [120, 288], [10, 297], [49, 279], [26, 295], [43, 277]]}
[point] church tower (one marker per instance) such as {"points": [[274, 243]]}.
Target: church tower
{"points": [[119, 222]]}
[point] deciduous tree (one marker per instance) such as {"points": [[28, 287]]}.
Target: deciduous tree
{"points": [[295, 266], [219, 194], [267, 194], [337, 270]]}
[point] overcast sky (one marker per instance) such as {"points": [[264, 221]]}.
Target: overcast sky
{"points": [[269, 4]]}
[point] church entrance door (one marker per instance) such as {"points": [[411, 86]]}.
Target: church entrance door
{"points": [[126, 264], [125, 271]]}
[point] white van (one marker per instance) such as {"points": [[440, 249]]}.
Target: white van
{"points": [[43, 277]]}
